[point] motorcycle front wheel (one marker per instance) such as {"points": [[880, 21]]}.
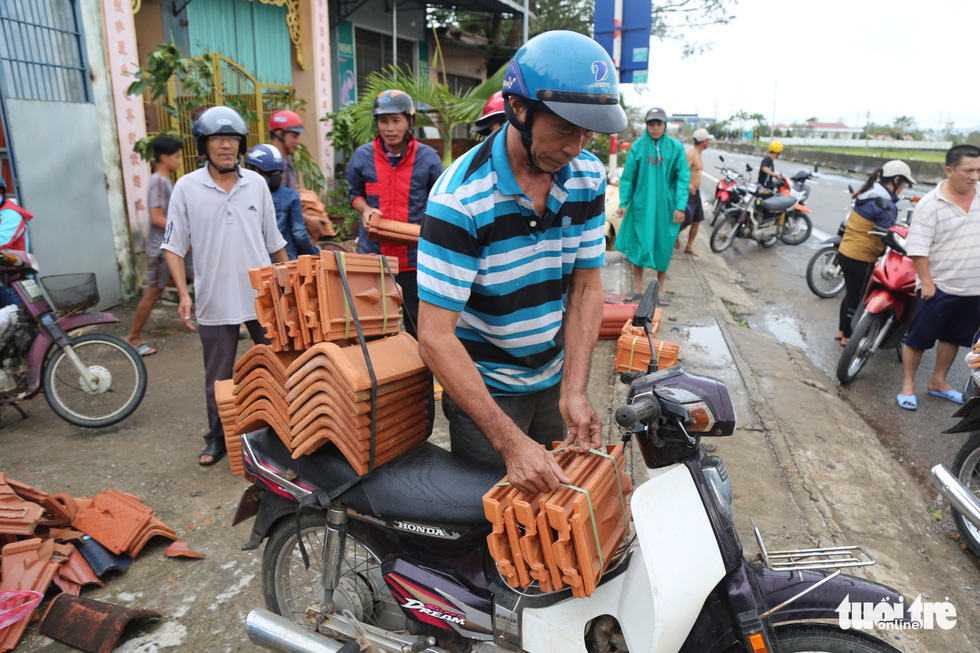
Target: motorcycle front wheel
{"points": [[826, 638], [859, 346], [118, 374], [797, 228], [724, 234], [823, 274], [289, 588], [966, 467]]}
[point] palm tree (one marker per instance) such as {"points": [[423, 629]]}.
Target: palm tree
{"points": [[441, 108]]}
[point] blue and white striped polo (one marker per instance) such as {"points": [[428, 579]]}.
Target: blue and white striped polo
{"points": [[486, 253]]}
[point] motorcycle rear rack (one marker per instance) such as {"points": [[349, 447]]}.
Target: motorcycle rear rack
{"points": [[800, 560], [825, 557]]}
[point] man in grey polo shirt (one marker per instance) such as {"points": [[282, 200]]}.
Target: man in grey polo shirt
{"points": [[228, 215]]}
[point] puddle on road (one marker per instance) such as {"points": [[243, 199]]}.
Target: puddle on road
{"points": [[710, 345], [786, 329]]}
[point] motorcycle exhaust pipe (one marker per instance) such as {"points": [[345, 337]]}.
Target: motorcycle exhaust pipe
{"points": [[275, 633], [959, 496]]}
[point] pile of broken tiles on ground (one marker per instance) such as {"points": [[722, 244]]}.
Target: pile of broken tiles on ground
{"points": [[63, 542], [312, 385]]}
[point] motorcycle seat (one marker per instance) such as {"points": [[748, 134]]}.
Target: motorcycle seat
{"points": [[778, 203], [426, 483]]}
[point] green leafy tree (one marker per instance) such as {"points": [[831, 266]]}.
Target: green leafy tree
{"points": [[195, 78]]}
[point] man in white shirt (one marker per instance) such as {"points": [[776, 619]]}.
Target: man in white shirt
{"points": [[229, 216], [944, 244]]}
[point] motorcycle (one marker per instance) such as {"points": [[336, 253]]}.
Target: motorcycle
{"points": [[961, 486], [92, 380], [728, 191], [824, 276], [403, 561], [888, 305], [798, 225], [764, 217]]}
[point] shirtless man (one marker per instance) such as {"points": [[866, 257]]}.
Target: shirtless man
{"points": [[694, 213]]}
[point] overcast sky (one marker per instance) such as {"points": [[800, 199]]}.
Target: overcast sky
{"points": [[832, 59]]}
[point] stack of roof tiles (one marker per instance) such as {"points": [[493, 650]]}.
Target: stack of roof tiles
{"points": [[566, 537], [633, 350], [302, 302], [318, 225], [42, 539], [312, 385], [392, 231]]}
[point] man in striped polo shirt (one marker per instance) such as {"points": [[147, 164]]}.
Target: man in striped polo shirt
{"points": [[508, 265], [944, 243]]}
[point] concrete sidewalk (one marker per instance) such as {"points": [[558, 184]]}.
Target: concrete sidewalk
{"points": [[803, 463]]}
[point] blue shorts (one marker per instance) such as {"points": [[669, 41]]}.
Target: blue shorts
{"points": [[947, 318]]}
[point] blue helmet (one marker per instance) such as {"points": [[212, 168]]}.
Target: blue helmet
{"points": [[266, 158], [572, 76]]}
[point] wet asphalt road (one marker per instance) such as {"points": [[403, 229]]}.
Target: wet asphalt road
{"points": [[787, 309]]}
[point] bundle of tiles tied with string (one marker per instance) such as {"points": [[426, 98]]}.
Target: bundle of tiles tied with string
{"points": [[313, 385], [567, 537]]}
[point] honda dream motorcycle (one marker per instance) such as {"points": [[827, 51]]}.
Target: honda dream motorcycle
{"points": [[397, 561]]}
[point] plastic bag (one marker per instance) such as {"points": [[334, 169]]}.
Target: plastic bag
{"points": [[17, 604]]}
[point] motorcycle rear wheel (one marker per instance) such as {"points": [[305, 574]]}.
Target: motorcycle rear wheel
{"points": [[724, 234], [289, 588], [966, 467], [797, 228], [824, 276], [120, 375], [858, 349], [827, 638]]}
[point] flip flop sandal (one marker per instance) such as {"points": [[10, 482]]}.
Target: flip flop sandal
{"points": [[216, 451], [953, 395], [145, 350], [908, 402], [663, 300]]}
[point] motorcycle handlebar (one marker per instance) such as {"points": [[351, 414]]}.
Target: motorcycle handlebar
{"points": [[644, 408]]}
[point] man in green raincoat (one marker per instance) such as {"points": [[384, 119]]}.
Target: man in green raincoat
{"points": [[653, 193]]}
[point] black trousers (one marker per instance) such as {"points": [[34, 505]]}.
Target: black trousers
{"points": [[410, 293], [856, 275], [220, 346]]}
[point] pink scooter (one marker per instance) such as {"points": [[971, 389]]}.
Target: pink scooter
{"points": [[90, 380]]}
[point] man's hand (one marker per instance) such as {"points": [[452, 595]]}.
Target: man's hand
{"points": [[690, 190], [584, 425], [531, 468], [928, 290], [366, 216], [678, 217], [975, 363], [621, 211], [184, 307]]}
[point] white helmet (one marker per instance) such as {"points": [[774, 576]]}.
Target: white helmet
{"points": [[897, 168]]}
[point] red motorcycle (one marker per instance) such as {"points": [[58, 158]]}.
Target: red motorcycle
{"points": [[728, 191], [888, 305], [90, 380]]}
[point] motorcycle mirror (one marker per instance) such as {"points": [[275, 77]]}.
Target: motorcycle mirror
{"points": [[722, 158], [648, 305], [850, 189], [748, 168]]}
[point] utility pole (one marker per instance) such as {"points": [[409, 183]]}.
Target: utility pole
{"points": [[394, 36], [867, 133], [772, 125], [617, 55], [526, 9]]}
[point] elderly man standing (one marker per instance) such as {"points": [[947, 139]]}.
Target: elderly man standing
{"points": [[512, 243], [944, 243], [694, 213], [228, 214], [653, 194]]}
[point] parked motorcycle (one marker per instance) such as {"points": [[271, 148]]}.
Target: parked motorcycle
{"points": [[961, 487], [398, 560], [91, 380], [888, 305], [728, 191], [764, 217]]}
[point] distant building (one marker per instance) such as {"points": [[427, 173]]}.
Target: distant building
{"points": [[831, 130]]}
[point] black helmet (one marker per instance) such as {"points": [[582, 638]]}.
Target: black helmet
{"points": [[219, 120], [394, 101]]}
